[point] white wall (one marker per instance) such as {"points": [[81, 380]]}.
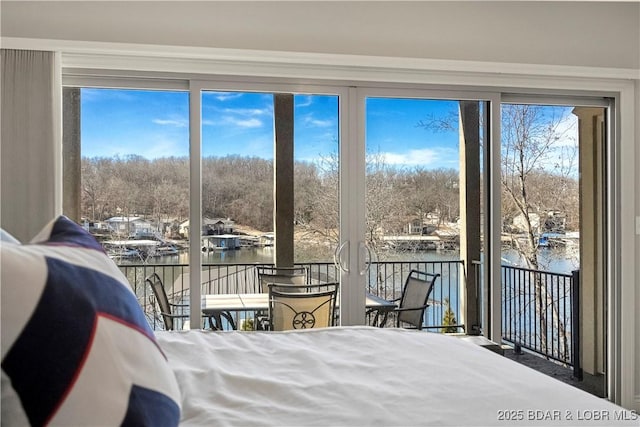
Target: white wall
{"points": [[603, 34], [574, 34], [637, 246]]}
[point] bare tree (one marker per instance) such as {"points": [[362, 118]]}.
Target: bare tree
{"points": [[307, 184], [316, 198], [538, 157], [531, 135], [385, 213]]}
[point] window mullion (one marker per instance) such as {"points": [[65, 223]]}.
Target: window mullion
{"points": [[195, 202]]}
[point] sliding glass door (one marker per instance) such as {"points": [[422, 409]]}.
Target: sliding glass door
{"points": [[419, 199], [555, 269], [360, 185], [202, 179], [269, 161]]}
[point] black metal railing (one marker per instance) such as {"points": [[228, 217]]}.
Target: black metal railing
{"points": [[385, 279], [539, 308], [539, 313]]}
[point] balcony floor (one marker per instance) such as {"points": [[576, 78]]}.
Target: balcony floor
{"points": [[555, 370]]}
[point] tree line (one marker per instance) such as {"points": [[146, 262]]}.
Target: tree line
{"points": [[241, 188]]}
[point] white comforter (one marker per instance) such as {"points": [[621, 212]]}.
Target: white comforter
{"points": [[356, 376]]}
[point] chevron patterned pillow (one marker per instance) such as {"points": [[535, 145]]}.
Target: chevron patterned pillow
{"points": [[76, 347]]}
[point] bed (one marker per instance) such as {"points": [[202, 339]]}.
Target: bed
{"points": [[353, 376], [77, 350]]}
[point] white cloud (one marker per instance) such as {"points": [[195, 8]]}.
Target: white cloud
{"points": [[566, 132], [240, 117], [224, 96], [181, 123], [310, 121], [234, 121], [305, 101], [247, 123], [248, 111], [423, 157]]}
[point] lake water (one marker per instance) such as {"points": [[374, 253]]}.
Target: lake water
{"points": [[264, 255], [553, 260]]}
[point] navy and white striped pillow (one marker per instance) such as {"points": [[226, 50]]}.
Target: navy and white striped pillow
{"points": [[76, 347]]}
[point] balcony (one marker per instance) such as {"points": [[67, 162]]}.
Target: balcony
{"points": [[537, 307], [532, 301], [385, 279]]}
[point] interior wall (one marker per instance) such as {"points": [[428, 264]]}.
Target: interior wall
{"points": [[637, 244], [600, 34], [28, 143], [589, 34]]}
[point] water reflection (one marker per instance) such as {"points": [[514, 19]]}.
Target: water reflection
{"points": [[263, 255], [553, 260]]}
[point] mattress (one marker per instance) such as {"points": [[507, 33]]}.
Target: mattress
{"points": [[356, 376]]}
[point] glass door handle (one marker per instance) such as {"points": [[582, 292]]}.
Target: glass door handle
{"points": [[367, 257], [337, 257]]}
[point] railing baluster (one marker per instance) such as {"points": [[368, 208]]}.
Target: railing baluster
{"points": [[522, 319]]}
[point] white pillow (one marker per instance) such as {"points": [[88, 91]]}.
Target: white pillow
{"points": [[76, 346], [5, 237]]}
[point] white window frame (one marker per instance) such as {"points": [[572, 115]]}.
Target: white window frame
{"points": [[492, 224], [349, 71], [197, 86]]}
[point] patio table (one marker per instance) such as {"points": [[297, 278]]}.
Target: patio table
{"points": [[215, 304]]}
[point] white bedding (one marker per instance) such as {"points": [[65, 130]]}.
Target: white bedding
{"points": [[354, 376]]}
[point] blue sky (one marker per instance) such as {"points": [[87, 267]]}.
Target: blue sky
{"points": [[155, 124]]}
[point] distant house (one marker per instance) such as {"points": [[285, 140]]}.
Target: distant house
{"points": [[131, 227], [555, 222], [520, 223], [220, 242], [210, 227], [99, 229], [414, 227], [433, 217], [183, 229], [423, 226], [266, 239], [95, 226]]}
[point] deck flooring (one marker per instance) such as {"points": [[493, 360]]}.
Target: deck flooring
{"points": [[558, 371]]}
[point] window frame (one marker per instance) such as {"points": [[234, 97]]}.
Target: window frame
{"points": [[534, 81]]}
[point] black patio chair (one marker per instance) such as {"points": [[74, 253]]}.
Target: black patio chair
{"points": [[171, 311], [413, 302], [286, 275], [302, 307], [272, 274]]}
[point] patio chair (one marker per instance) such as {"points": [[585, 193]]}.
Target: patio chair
{"points": [[302, 307], [167, 308], [414, 300], [286, 275]]}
